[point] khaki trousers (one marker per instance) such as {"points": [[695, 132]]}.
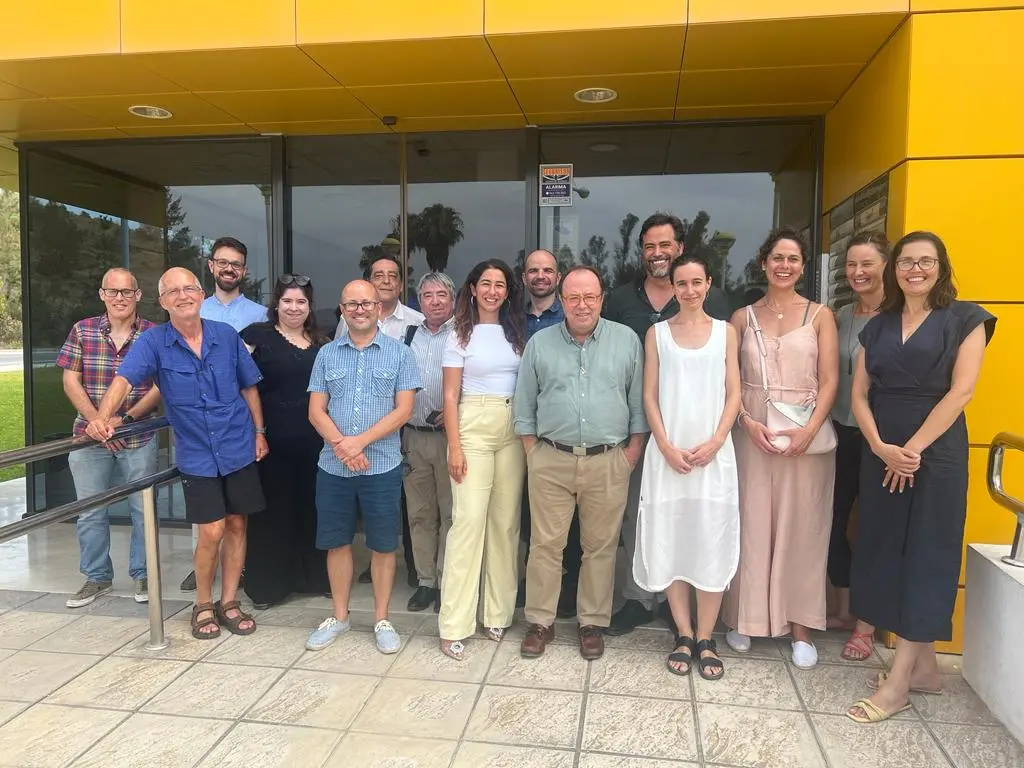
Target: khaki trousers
{"points": [[483, 544], [560, 482], [428, 495]]}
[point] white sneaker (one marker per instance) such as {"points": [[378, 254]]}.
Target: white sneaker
{"points": [[805, 655], [738, 642]]}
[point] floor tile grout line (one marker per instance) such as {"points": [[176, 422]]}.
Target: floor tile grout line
{"points": [[935, 739], [476, 700], [698, 741], [581, 728], [85, 751], [790, 670]]}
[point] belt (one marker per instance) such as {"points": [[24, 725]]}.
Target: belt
{"points": [[579, 450], [425, 429]]}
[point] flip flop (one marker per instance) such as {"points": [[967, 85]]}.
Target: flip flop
{"points": [[874, 713], [876, 682]]}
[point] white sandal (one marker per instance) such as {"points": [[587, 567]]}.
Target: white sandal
{"points": [[494, 633], [453, 649]]}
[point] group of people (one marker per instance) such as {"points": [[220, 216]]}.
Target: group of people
{"points": [[725, 455]]}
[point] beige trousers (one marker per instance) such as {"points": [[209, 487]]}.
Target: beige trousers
{"points": [[483, 543], [559, 482], [428, 496]]}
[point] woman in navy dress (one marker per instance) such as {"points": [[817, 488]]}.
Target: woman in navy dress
{"points": [[920, 362]]}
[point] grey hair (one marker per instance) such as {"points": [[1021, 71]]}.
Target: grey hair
{"points": [[121, 271], [160, 282], [436, 277]]}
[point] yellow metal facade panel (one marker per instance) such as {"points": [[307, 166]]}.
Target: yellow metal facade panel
{"points": [[726, 87], [923, 6], [191, 25], [607, 116], [9, 92], [439, 100], [407, 62], [154, 131], [987, 521], [704, 11], [50, 28], [330, 21], [968, 104], [589, 52], [516, 16], [112, 111], [866, 132], [22, 117], [787, 42], [321, 127], [956, 645], [289, 106], [896, 213], [648, 91], [960, 198], [244, 69], [996, 406], [80, 134], [812, 109], [86, 76], [462, 123]]}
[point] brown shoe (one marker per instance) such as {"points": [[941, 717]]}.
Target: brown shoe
{"points": [[537, 638], [591, 642]]}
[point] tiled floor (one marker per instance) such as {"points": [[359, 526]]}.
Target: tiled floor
{"points": [[78, 688]]}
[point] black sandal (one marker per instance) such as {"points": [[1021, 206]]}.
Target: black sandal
{"points": [[233, 623], [677, 657], [704, 662], [198, 624]]}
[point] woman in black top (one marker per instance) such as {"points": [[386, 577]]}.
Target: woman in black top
{"points": [[282, 557]]}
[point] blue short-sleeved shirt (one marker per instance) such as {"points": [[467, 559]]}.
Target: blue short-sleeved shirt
{"points": [[211, 420], [553, 315], [361, 385], [239, 313]]}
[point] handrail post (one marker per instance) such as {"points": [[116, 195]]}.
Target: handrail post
{"points": [[151, 526], [996, 452]]}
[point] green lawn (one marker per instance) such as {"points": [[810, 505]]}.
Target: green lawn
{"points": [[54, 413], [12, 419]]}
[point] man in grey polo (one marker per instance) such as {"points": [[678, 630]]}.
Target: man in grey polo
{"points": [[578, 408]]}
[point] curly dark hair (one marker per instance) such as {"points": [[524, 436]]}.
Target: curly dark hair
{"points": [[309, 325], [781, 233], [942, 294], [512, 315]]}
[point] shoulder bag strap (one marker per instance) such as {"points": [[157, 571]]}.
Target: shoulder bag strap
{"points": [[761, 348], [410, 331]]}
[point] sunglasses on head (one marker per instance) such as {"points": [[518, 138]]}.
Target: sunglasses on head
{"points": [[299, 280]]}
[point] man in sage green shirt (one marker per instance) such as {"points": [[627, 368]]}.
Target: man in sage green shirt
{"points": [[578, 408]]}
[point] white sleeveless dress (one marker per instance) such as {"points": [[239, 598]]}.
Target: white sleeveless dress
{"points": [[688, 527]]}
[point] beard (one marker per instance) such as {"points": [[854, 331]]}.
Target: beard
{"points": [[540, 293], [227, 284]]}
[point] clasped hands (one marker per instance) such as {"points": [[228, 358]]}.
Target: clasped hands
{"points": [[349, 451], [683, 460], [901, 462]]}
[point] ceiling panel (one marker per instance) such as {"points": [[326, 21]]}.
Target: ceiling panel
{"points": [[591, 52], [228, 129], [85, 76], [256, 69], [187, 25], [42, 115], [314, 127], [406, 62], [81, 134], [605, 116], [9, 92], [328, 21], [646, 91], [516, 16], [753, 111], [290, 106], [461, 123], [186, 108], [764, 86], [787, 43], [439, 100], [704, 11]]}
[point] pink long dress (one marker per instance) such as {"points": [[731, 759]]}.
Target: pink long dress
{"points": [[785, 502]]}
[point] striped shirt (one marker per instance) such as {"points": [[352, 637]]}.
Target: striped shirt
{"points": [[88, 350], [361, 385], [428, 349]]}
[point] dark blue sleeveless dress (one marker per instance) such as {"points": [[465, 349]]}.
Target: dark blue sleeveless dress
{"points": [[907, 556]]}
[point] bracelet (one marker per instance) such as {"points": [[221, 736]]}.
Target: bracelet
{"points": [[739, 418], [261, 430]]}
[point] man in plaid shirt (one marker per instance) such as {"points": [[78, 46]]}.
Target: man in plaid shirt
{"points": [[90, 357]]}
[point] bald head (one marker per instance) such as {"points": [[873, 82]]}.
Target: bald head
{"points": [[360, 306], [119, 275], [540, 273], [359, 290], [175, 277]]}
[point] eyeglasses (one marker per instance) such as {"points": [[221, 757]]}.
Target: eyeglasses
{"points": [[225, 263], [188, 290], [352, 306], [926, 263], [574, 301], [300, 280], [124, 293]]}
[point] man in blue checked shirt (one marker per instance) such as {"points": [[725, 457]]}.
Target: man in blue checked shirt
{"points": [[362, 390]]}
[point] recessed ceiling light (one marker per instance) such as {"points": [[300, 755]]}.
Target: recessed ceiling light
{"points": [[604, 146], [595, 95], [150, 112]]}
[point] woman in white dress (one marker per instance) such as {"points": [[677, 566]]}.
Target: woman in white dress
{"points": [[688, 530]]}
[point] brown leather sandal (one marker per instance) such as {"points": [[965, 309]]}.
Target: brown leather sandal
{"points": [[198, 624], [232, 623]]}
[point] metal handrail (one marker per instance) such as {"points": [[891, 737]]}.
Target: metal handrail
{"points": [[996, 452], [146, 486]]}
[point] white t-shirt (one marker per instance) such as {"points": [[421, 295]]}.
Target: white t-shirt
{"points": [[490, 365]]}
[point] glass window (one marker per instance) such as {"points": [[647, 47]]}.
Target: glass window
{"points": [[467, 201], [729, 184], [145, 206], [345, 208]]}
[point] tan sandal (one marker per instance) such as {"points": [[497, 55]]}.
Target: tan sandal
{"points": [[453, 649], [494, 633], [198, 624], [872, 712], [860, 646], [232, 623], [876, 682]]}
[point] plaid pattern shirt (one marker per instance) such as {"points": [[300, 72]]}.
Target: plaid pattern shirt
{"points": [[88, 350]]}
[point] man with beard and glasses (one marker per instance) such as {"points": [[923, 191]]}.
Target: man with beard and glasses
{"points": [[541, 278]]}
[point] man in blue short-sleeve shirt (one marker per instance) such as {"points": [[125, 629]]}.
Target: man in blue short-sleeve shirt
{"points": [[362, 390], [208, 382]]}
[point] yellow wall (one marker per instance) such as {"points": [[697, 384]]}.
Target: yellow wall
{"points": [[939, 109]]}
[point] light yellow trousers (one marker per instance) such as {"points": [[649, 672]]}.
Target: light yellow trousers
{"points": [[483, 543]]}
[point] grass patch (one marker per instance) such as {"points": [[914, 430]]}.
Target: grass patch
{"points": [[53, 412], [12, 419]]}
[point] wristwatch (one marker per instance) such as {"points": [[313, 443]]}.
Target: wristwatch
{"points": [[261, 430], [127, 419]]}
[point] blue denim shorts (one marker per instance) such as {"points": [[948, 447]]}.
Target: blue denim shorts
{"points": [[340, 500]]}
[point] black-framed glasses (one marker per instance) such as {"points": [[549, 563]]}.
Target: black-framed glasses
{"points": [[225, 263], [352, 306], [124, 293], [300, 280]]}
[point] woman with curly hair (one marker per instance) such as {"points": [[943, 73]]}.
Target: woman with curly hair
{"points": [[485, 458]]}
